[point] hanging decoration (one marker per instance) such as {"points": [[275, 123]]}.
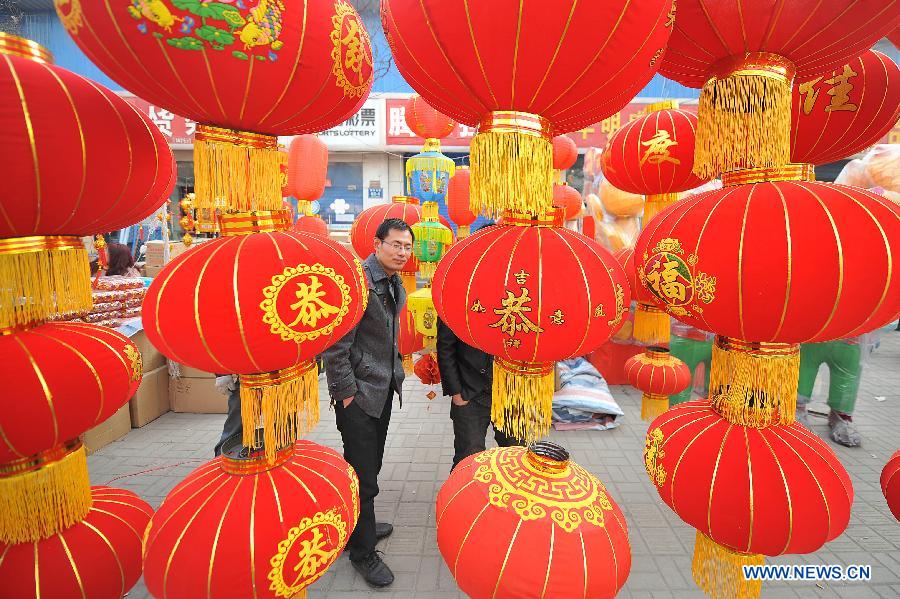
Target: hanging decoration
{"points": [[890, 484], [565, 154], [428, 173], [362, 232], [569, 199], [432, 240], [409, 340], [658, 374], [307, 171], [651, 324], [311, 223], [458, 202]]}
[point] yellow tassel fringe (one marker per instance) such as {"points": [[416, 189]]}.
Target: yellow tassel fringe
{"points": [[37, 285], [718, 571], [462, 231], [657, 203], [409, 281], [285, 408], [754, 389], [37, 504], [426, 269], [236, 177], [653, 406], [651, 325], [522, 404], [511, 171], [745, 122]]}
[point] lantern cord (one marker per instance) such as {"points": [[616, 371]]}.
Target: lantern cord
{"points": [[511, 171], [653, 405], [651, 325], [522, 403], [718, 571]]}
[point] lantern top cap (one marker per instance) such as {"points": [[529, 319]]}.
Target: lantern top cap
{"points": [[662, 105], [548, 457], [405, 200], [246, 461], [13, 45]]}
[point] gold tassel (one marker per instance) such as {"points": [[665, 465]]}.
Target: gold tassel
{"points": [[284, 403], [657, 203], [653, 406], [42, 277], [236, 170], [462, 231], [745, 116], [718, 571], [512, 165], [409, 281], [44, 494], [651, 325], [426, 269], [754, 384], [522, 403]]}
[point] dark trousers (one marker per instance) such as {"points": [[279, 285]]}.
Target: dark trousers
{"points": [[233, 423], [470, 424], [364, 438]]}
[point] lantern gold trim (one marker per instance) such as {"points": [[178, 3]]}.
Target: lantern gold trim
{"points": [[235, 224], [522, 398], [13, 45]]}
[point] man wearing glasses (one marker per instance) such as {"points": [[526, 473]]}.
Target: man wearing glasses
{"points": [[364, 369]]}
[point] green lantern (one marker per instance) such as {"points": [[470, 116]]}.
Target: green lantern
{"points": [[432, 240]]}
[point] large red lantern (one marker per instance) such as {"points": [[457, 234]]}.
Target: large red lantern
{"points": [[890, 484], [362, 232], [290, 296], [843, 112], [745, 55], [458, 202], [740, 486], [100, 556], [307, 169], [651, 324], [78, 160], [529, 292], [499, 506], [502, 66], [657, 374], [425, 121], [237, 527], [272, 67]]}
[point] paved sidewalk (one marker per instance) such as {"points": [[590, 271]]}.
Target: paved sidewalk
{"points": [[151, 460]]}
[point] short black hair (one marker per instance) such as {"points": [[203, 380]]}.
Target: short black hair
{"points": [[390, 224]]}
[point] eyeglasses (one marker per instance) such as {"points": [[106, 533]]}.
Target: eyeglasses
{"points": [[398, 247]]}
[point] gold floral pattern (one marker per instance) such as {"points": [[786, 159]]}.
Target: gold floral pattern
{"points": [[136, 362], [352, 51], [705, 287], [652, 454]]}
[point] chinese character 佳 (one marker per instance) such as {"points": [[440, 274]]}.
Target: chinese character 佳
{"points": [[310, 305], [666, 282], [313, 555], [512, 314], [839, 92], [658, 149]]}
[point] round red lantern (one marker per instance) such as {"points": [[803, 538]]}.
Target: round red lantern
{"points": [[291, 296], [307, 169], [568, 199], [295, 517], [658, 374], [746, 55], [312, 224], [890, 484], [515, 79], [651, 324], [565, 152], [273, 67], [498, 506], [426, 122], [458, 202], [426, 368], [530, 293], [362, 232], [78, 160], [740, 485], [845, 111], [410, 340], [100, 556]]}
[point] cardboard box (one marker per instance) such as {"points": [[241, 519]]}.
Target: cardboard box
{"points": [[150, 355], [116, 427], [197, 396], [192, 373], [556, 383], [151, 271], [151, 399], [154, 253]]}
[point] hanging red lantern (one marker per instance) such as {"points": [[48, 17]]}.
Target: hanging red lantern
{"points": [[568, 199], [499, 505], [843, 112], [312, 224], [745, 57], [78, 160], [500, 79], [565, 152], [740, 485], [458, 202], [246, 72], [292, 295], [426, 122], [651, 324], [362, 232], [409, 341], [530, 293], [295, 517], [658, 374], [307, 169], [100, 556], [890, 484], [426, 368]]}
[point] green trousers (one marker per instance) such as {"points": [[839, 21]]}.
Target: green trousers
{"points": [[843, 360]]}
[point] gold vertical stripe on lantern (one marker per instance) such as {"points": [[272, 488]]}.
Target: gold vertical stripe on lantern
{"points": [[43, 494], [718, 571], [42, 277], [522, 399]]}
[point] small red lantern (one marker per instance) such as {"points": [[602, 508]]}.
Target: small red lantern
{"points": [[565, 152], [517, 81], [651, 324], [100, 556], [292, 520], [426, 122], [307, 169], [890, 484], [312, 224], [568, 199], [426, 368], [529, 292], [499, 506], [458, 202], [410, 340], [846, 111], [362, 233], [658, 374]]}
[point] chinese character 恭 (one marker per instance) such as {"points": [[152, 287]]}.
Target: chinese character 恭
{"points": [[367, 116], [313, 556], [162, 118], [310, 305], [658, 149], [477, 307], [557, 317], [666, 282], [398, 124], [512, 314], [840, 92], [521, 277]]}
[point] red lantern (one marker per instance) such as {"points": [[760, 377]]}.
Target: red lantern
{"points": [[78, 160], [409, 341], [307, 168], [530, 293], [312, 224], [651, 324], [658, 374], [458, 202], [426, 122], [295, 517], [290, 296], [273, 67], [846, 111], [99, 556], [745, 55], [890, 484], [740, 486], [362, 233], [426, 368], [515, 79], [500, 505], [568, 199], [565, 152]]}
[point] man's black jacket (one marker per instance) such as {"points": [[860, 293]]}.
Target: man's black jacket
{"points": [[464, 369]]}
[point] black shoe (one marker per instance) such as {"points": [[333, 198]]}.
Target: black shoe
{"points": [[383, 530], [373, 570]]}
